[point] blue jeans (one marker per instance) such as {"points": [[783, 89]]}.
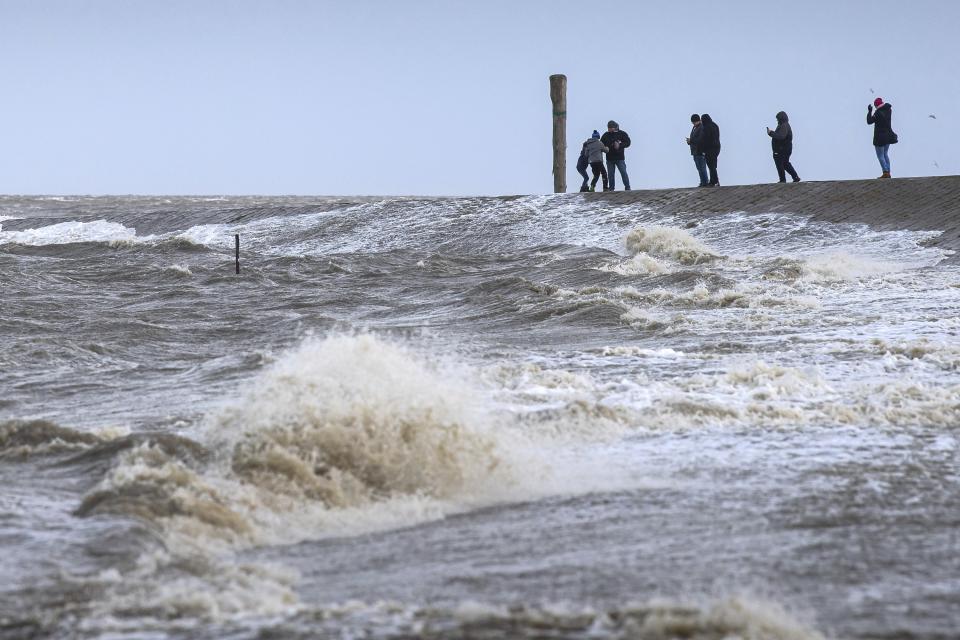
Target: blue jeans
{"points": [[617, 164], [701, 161], [883, 157]]}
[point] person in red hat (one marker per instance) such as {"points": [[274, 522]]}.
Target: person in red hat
{"points": [[883, 135]]}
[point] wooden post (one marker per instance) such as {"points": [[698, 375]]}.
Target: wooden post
{"points": [[558, 96], [236, 237]]}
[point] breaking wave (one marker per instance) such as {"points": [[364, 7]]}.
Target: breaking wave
{"points": [[350, 432], [668, 242]]}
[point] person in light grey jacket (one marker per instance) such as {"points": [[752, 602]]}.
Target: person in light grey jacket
{"points": [[594, 150]]}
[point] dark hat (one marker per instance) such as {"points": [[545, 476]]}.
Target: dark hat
{"points": [[613, 125], [596, 134], [695, 118]]}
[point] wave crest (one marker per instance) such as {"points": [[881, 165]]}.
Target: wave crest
{"points": [[671, 243]]}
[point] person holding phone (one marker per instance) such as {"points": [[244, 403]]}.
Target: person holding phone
{"points": [[782, 141], [883, 135]]}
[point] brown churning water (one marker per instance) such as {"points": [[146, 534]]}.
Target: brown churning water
{"points": [[529, 417]]}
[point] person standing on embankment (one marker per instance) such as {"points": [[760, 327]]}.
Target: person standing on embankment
{"points": [[694, 141], [582, 163], [883, 135], [594, 150], [616, 140], [710, 146], [782, 141]]}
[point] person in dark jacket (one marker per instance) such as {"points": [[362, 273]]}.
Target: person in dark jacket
{"points": [[582, 163], [883, 135], [709, 144], [782, 141], [694, 141], [616, 140]]}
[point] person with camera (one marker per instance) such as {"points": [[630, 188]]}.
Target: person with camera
{"points": [[782, 141], [883, 135], [616, 141]]}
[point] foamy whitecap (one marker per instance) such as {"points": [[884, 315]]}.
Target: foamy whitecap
{"points": [[638, 265], [669, 242], [841, 266], [71, 232], [179, 269], [642, 352]]}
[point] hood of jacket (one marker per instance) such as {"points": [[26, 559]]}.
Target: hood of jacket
{"points": [[886, 106], [782, 117], [706, 119]]}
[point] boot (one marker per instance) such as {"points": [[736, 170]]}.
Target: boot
{"points": [[886, 174]]}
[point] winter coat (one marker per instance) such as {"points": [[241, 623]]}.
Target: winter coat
{"points": [[782, 138], [583, 160], [710, 138], [594, 150], [615, 150], [881, 119], [695, 134]]}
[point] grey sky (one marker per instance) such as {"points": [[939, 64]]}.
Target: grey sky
{"points": [[451, 97]]}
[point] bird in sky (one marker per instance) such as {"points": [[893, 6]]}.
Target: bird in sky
{"points": [[932, 116]]}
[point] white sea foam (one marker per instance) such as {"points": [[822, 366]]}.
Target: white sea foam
{"points": [[180, 269], [70, 232], [842, 266], [640, 264]]}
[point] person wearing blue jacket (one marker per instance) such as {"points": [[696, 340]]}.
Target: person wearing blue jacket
{"points": [[582, 163]]}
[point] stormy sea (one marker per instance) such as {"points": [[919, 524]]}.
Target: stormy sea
{"points": [[531, 417]]}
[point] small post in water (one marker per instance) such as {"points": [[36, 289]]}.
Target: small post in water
{"points": [[236, 237], [558, 96]]}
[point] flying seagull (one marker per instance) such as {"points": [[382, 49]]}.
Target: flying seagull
{"points": [[932, 116]]}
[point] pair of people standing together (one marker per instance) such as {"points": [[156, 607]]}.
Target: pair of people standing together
{"points": [[704, 141], [704, 144], [613, 143]]}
